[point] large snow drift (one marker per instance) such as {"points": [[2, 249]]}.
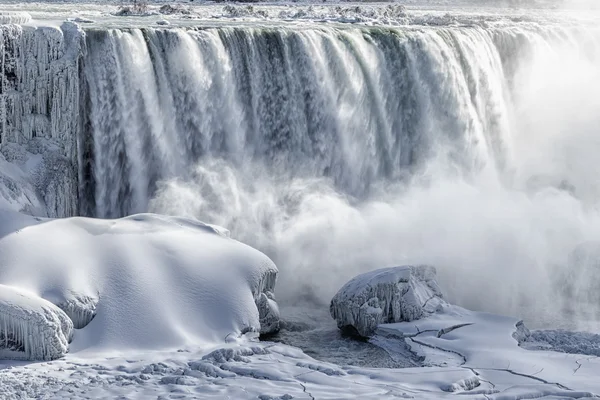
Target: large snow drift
{"points": [[385, 296], [141, 282], [30, 327]]}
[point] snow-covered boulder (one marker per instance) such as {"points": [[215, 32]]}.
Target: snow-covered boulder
{"points": [[142, 282], [31, 328], [385, 296]]}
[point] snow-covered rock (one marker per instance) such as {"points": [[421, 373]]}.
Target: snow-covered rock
{"points": [[31, 328], [385, 296], [141, 282]]}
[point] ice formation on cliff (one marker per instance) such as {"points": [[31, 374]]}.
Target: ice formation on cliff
{"points": [[39, 100], [31, 328], [385, 296]]}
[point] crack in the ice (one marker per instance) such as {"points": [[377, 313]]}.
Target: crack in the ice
{"points": [[578, 366], [428, 300], [444, 331], [306, 391], [510, 371], [441, 349], [477, 374]]}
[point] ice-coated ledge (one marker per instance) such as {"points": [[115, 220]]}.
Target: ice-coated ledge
{"points": [[31, 328], [385, 296]]}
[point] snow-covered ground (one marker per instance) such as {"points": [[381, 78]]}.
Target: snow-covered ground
{"points": [[481, 360], [165, 307], [183, 13], [170, 300]]}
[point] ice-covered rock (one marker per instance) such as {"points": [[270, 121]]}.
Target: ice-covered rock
{"points": [[31, 328], [384, 296]]}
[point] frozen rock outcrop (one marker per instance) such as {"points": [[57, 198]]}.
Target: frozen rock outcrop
{"points": [[31, 328], [385, 296]]}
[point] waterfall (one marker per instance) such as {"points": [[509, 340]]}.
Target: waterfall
{"points": [[334, 149], [356, 106]]}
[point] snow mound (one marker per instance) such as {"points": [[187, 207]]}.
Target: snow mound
{"points": [[142, 282], [31, 328], [385, 296]]}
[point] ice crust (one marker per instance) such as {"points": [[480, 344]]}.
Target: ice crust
{"points": [[385, 296], [31, 328]]}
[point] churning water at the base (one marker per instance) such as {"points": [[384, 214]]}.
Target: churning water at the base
{"points": [[340, 150]]}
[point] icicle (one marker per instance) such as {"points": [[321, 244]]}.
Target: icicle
{"points": [[32, 328]]}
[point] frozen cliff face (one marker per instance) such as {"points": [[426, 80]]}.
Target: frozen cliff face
{"points": [[40, 82], [39, 110], [385, 296], [37, 179], [31, 328], [142, 282]]}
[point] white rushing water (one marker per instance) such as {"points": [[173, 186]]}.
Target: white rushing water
{"points": [[341, 149]]}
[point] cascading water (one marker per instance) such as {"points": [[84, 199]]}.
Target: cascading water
{"points": [[353, 106], [337, 150]]}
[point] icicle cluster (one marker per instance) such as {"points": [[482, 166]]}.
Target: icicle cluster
{"points": [[80, 309], [39, 73], [385, 296], [264, 298], [31, 328]]}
